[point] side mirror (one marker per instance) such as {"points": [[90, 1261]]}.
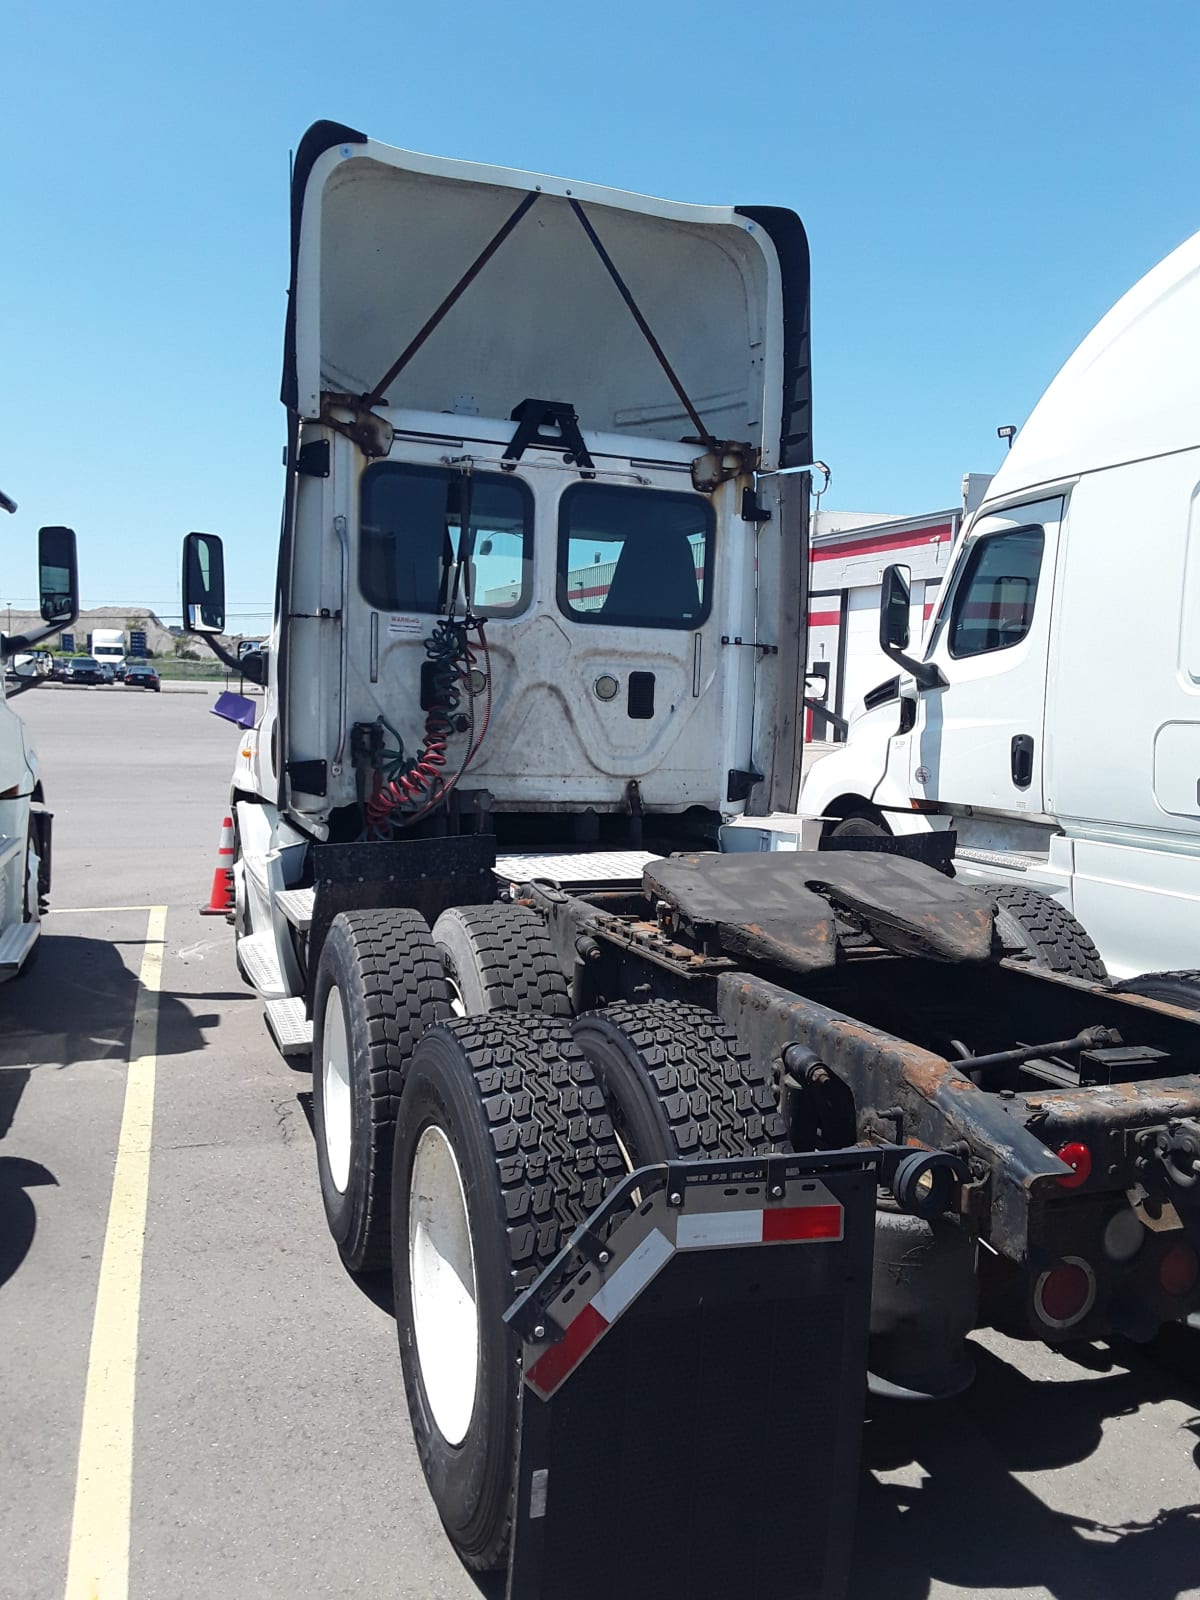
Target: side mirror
{"points": [[58, 576], [894, 609], [816, 687], [203, 584]]}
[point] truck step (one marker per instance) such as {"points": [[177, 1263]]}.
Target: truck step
{"points": [[999, 858], [260, 962], [297, 906], [15, 944], [621, 868], [289, 1027]]}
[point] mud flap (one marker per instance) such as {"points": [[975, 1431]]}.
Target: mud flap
{"points": [[694, 1373]]}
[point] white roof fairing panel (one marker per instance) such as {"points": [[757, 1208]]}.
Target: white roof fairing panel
{"points": [[1129, 392], [384, 235]]}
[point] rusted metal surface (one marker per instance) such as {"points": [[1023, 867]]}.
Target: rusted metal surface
{"points": [[909, 1095], [785, 908]]}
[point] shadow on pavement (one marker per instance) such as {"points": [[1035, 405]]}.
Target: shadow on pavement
{"points": [[971, 1522], [18, 1216], [77, 1003]]}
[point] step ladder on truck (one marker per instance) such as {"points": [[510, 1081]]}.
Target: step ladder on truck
{"points": [[672, 1148]]}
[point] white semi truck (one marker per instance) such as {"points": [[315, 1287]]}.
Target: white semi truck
{"points": [[1052, 716], [25, 820], [628, 1115]]}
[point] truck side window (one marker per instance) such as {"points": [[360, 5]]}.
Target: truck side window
{"points": [[993, 607], [411, 533], [639, 558]]}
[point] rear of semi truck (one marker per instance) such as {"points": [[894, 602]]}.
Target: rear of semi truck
{"points": [[623, 1112]]}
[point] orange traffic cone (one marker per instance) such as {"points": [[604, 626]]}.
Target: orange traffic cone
{"points": [[220, 901]]}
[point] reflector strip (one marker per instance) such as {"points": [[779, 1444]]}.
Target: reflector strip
{"points": [[553, 1365], [624, 1285], [711, 1229], [802, 1222]]}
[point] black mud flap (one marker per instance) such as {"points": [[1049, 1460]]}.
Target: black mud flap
{"points": [[694, 1373]]}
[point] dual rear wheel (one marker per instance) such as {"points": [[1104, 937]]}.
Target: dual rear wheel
{"points": [[466, 1139]]}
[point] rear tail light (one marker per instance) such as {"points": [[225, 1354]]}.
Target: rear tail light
{"points": [[1079, 1158], [1066, 1293], [1179, 1270]]}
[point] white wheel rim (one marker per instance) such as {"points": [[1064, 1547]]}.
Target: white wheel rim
{"points": [[335, 1090], [441, 1273]]}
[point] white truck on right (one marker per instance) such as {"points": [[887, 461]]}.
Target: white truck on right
{"points": [[1052, 718]]}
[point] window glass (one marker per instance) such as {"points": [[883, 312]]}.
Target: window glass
{"points": [[635, 557], [411, 533], [993, 607]]}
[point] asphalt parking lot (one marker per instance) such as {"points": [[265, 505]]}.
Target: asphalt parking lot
{"points": [[216, 1402]]}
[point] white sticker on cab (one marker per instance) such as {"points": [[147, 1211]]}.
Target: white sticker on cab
{"points": [[407, 625]]}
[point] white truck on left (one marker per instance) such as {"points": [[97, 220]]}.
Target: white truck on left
{"points": [[25, 822]]}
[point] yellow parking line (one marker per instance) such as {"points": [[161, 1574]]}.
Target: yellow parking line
{"points": [[98, 1562], [88, 911]]}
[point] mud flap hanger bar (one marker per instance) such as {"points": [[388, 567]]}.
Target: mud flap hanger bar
{"points": [[925, 1183]]}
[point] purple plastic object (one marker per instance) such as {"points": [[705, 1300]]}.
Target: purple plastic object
{"points": [[234, 708]]}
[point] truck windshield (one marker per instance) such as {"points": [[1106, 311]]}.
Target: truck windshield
{"points": [[638, 558], [411, 528]]}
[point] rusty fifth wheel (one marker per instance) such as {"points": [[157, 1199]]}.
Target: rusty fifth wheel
{"points": [[504, 1147], [679, 1084]]}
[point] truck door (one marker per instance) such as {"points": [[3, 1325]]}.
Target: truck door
{"points": [[978, 740]]}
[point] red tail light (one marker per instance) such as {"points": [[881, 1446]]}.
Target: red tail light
{"points": [[1066, 1293], [1079, 1158], [1179, 1270]]}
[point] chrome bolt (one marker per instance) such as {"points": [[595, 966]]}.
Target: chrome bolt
{"points": [[604, 1257], [675, 1199], [777, 1191], [539, 1332]]}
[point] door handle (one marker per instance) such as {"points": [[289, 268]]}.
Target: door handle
{"points": [[1022, 760]]}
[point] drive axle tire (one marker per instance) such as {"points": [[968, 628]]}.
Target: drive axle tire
{"points": [[499, 958], [1046, 930], [379, 986], [505, 1145], [1175, 988], [679, 1084]]}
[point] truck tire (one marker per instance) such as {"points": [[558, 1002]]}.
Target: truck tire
{"points": [[505, 1146], [1175, 988], [679, 1085], [859, 826], [499, 958], [1046, 930], [379, 986]]}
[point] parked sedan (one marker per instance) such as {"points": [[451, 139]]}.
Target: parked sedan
{"points": [[140, 676], [84, 669]]}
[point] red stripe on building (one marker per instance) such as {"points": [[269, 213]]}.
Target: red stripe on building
{"points": [[802, 1222], [824, 619], [553, 1365], [936, 533]]}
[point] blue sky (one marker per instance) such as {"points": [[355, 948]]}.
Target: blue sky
{"points": [[979, 182]]}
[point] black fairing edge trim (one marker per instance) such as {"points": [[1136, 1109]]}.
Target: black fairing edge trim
{"points": [[786, 232], [320, 137]]}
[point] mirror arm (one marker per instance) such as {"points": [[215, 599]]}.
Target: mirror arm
{"points": [[927, 673], [226, 657], [20, 642], [838, 724]]}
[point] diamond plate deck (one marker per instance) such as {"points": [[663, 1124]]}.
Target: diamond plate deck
{"points": [[619, 868]]}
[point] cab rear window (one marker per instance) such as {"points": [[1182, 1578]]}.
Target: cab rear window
{"points": [[411, 544], [639, 558]]}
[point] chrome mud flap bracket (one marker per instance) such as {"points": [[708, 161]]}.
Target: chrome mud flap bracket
{"points": [[694, 1371]]}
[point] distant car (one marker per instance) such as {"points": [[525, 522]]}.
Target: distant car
{"points": [[58, 672], [138, 675], [84, 669], [108, 673]]}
